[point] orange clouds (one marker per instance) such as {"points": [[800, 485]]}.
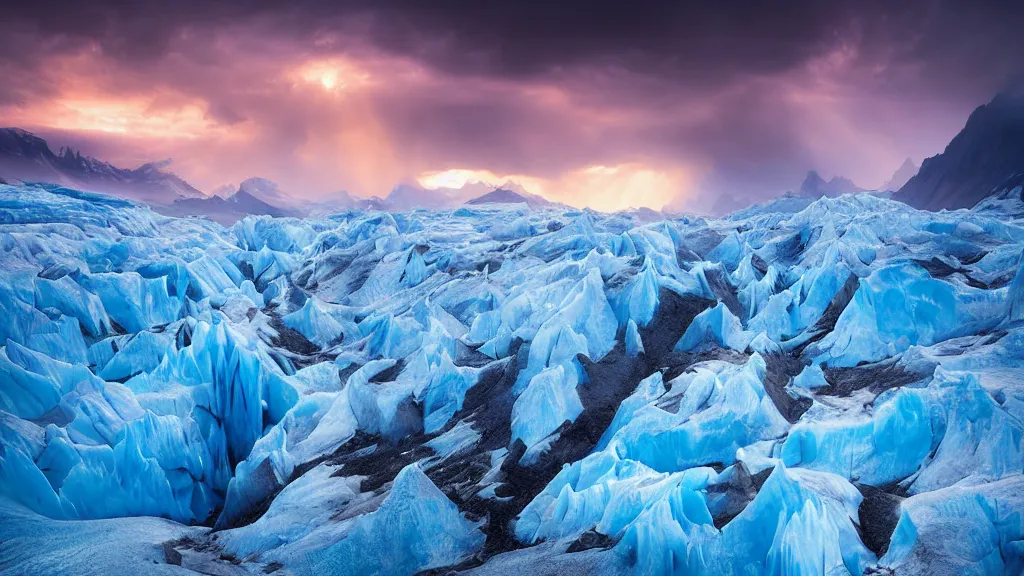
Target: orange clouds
{"points": [[457, 178], [87, 94], [317, 120], [307, 122], [319, 116], [137, 117]]}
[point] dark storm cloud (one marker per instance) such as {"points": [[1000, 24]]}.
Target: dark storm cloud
{"points": [[748, 94], [702, 39], [505, 38]]}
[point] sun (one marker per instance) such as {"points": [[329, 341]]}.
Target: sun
{"points": [[329, 79], [334, 75]]}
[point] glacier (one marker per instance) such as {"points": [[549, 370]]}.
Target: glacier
{"points": [[828, 386]]}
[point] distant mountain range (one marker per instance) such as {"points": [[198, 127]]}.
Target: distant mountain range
{"points": [[227, 211], [228, 205], [260, 196], [814, 186], [28, 158], [409, 196], [985, 158], [25, 157]]}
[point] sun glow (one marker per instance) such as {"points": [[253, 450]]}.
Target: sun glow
{"points": [[607, 188], [628, 185], [459, 177], [332, 75], [456, 178]]}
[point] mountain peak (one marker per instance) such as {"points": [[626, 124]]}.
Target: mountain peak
{"points": [[19, 142], [504, 195], [514, 186], [27, 157], [224, 191], [13, 133], [258, 182], [267, 191], [813, 178], [984, 158], [158, 165], [903, 174], [814, 186], [499, 196]]}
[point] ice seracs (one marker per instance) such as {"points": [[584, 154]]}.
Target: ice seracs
{"points": [[901, 305], [717, 327], [808, 386], [415, 528], [549, 399]]}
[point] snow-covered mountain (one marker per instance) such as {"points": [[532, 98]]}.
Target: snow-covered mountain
{"points": [[985, 158], [268, 191], [27, 157], [811, 386]]}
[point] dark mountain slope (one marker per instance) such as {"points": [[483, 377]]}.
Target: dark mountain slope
{"points": [[986, 157], [27, 157]]}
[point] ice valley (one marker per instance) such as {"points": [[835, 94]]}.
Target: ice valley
{"points": [[831, 386]]}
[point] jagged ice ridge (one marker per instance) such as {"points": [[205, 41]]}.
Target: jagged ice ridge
{"points": [[828, 386]]}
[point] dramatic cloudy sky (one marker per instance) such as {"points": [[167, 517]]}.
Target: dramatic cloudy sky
{"points": [[632, 103]]}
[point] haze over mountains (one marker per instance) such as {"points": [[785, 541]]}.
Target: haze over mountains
{"points": [[226, 210], [28, 158], [903, 174], [252, 197], [814, 186], [985, 158]]}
